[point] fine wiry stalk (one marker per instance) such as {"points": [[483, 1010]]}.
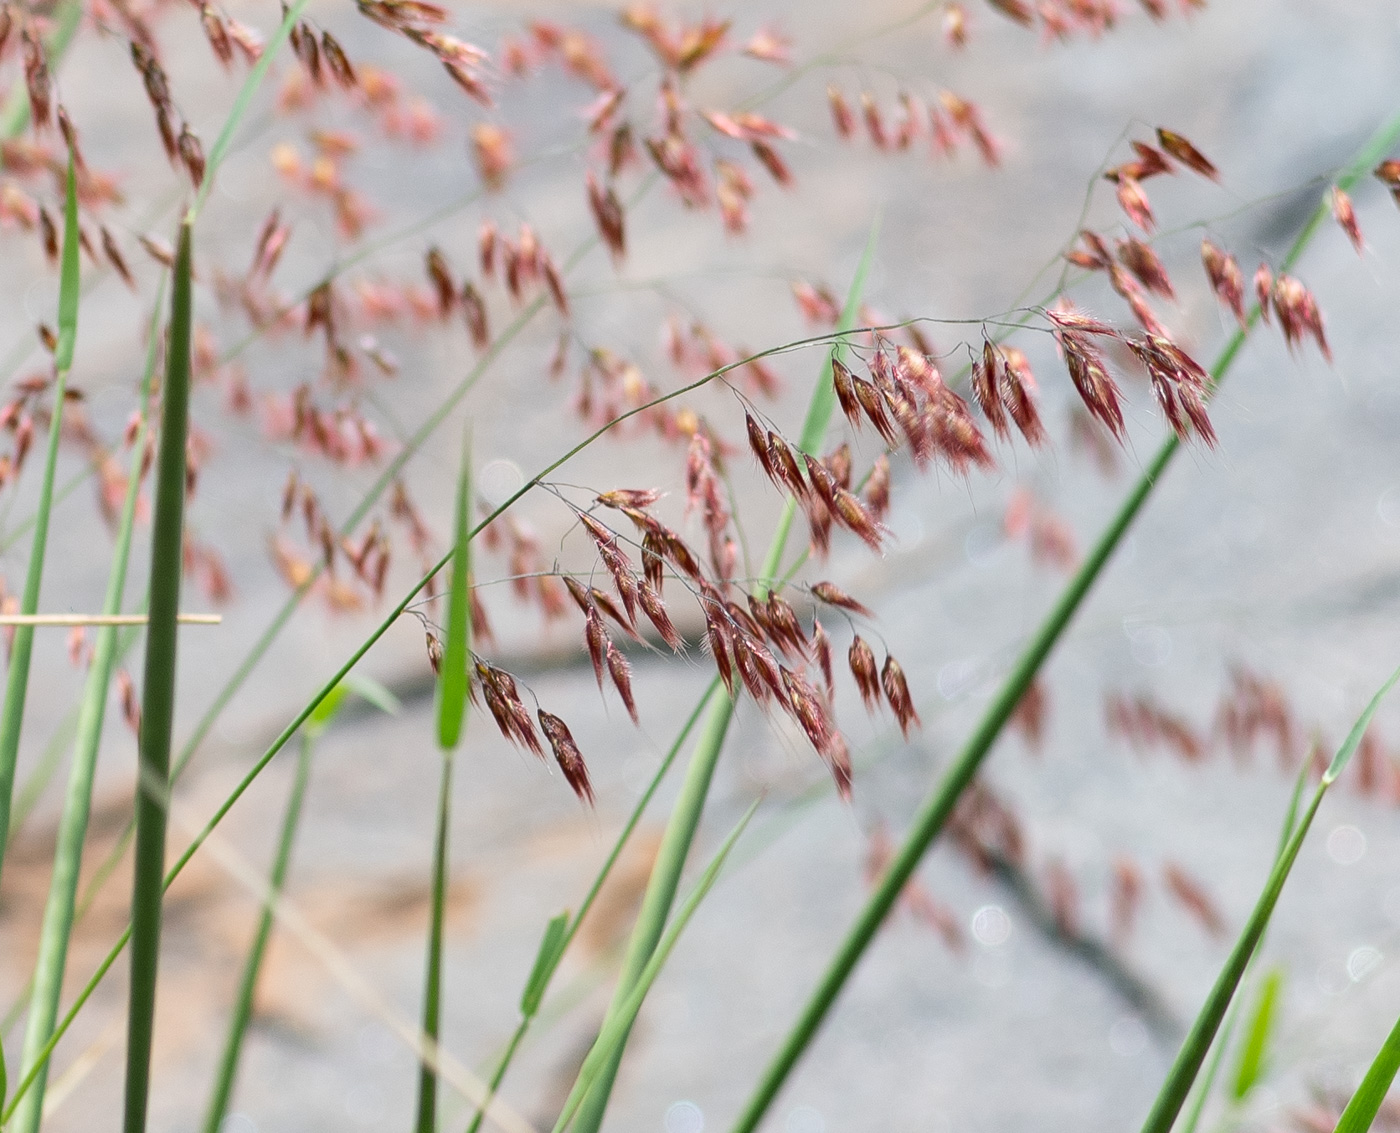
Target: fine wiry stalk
{"points": [[934, 813], [17, 680], [617, 1027], [248, 982], [556, 943], [63, 887], [685, 815], [452, 689], [158, 693]]}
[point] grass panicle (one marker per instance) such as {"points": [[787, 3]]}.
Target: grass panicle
{"points": [[685, 815], [936, 809]]}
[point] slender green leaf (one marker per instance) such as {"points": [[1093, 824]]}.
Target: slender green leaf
{"points": [[426, 1120], [615, 1030], [685, 815], [158, 693], [1254, 1053], [1193, 1049], [556, 934], [63, 886], [1366, 1102], [17, 679], [452, 679], [933, 814]]}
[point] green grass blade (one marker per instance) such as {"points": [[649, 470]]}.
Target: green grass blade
{"points": [[538, 983], [1193, 1050], [1366, 1102], [932, 816], [426, 1119], [556, 936], [685, 815], [17, 679], [158, 693], [248, 982], [63, 886], [1254, 1054], [615, 1030], [452, 680]]}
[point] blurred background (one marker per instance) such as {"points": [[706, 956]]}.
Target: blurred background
{"points": [[1021, 996]]}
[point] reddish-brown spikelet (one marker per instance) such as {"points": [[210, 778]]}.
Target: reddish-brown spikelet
{"points": [[874, 121], [440, 276], [1062, 895], [1096, 388], [608, 215], [1345, 215], [1018, 395], [494, 156], [838, 463], [867, 676], [567, 755], [38, 82], [338, 62], [785, 465], [1030, 714], [821, 651], [784, 630], [877, 488], [758, 444], [837, 757], [1194, 898], [595, 636], [1226, 279], [191, 154], [474, 312], [807, 709], [1135, 204], [1179, 385], [987, 373], [874, 405], [621, 673], [435, 653], [1016, 10], [1186, 153], [1298, 314], [1388, 174], [1125, 897], [506, 707], [1143, 722], [897, 693], [1264, 290], [955, 26], [1143, 262], [843, 381], [655, 610], [833, 595]]}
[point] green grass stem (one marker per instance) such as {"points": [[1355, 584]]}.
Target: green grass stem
{"points": [[17, 679], [158, 692], [617, 1027]]}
